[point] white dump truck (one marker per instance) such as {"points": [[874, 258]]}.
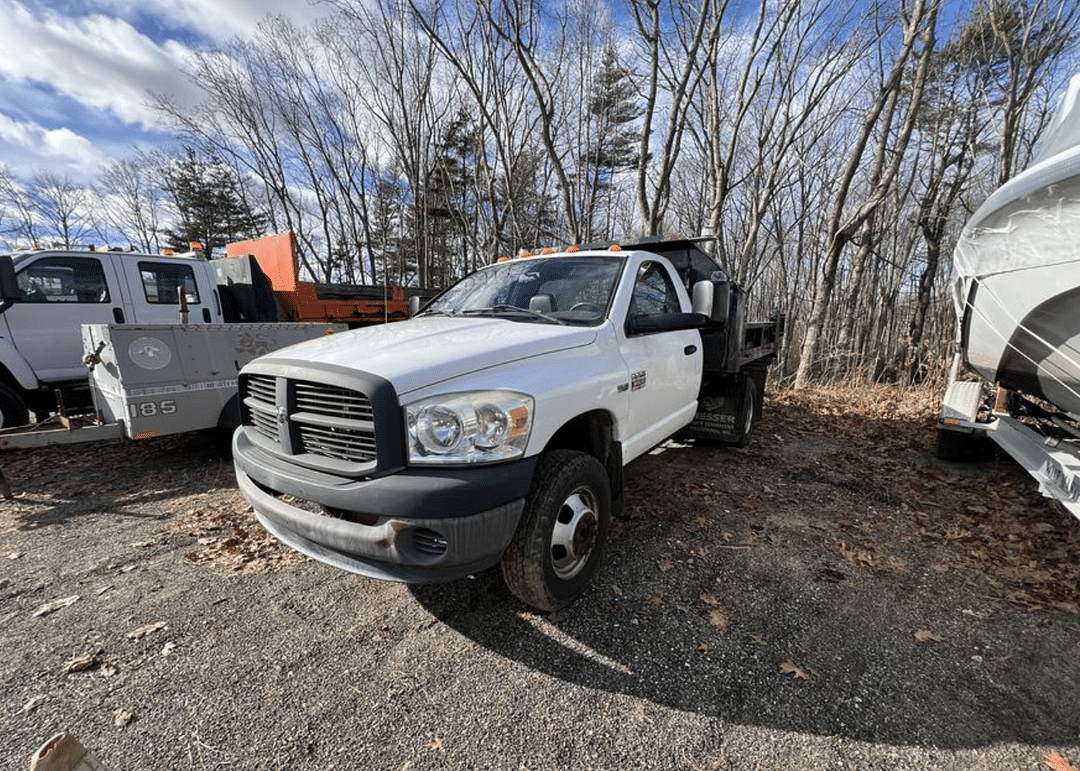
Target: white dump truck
{"points": [[493, 426]]}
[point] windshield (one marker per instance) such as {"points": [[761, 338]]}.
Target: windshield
{"points": [[557, 290]]}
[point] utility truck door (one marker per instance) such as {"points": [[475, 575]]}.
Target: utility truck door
{"points": [[157, 286], [663, 360], [60, 293]]}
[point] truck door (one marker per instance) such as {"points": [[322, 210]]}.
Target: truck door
{"points": [[61, 292], [157, 285], [664, 368]]}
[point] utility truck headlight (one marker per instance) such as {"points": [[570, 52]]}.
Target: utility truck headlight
{"points": [[469, 427]]}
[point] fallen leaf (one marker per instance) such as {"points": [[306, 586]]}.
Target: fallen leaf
{"points": [[122, 717], [143, 631], [168, 648], [799, 672], [81, 663], [701, 647], [710, 599], [655, 598], [664, 563], [55, 605], [436, 744], [925, 636], [616, 590], [718, 619], [757, 638], [1058, 762]]}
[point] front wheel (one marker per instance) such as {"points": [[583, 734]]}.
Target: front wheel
{"points": [[560, 540], [13, 410]]}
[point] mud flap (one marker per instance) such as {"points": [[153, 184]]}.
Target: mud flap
{"points": [[728, 409]]}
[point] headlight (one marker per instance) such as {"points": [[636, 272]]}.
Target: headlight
{"points": [[469, 427]]}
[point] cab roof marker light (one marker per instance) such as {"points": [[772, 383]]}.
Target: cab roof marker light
{"points": [[614, 248], [572, 249], [547, 250]]}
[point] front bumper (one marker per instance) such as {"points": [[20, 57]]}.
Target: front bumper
{"points": [[432, 524]]}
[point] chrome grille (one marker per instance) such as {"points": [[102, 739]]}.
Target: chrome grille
{"points": [[327, 421], [260, 405], [332, 401], [354, 445]]}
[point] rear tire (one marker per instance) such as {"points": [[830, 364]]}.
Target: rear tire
{"points": [[13, 409], [962, 447], [560, 539], [748, 413]]}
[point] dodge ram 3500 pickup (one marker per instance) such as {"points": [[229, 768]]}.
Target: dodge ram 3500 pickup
{"points": [[494, 425]]}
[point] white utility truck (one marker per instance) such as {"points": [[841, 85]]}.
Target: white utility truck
{"points": [[494, 425], [155, 333]]}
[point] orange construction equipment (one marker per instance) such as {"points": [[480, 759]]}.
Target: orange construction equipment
{"points": [[307, 301]]}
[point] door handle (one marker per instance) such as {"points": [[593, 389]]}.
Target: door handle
{"points": [[690, 350], [118, 315]]}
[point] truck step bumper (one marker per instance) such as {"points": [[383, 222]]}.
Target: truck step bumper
{"points": [[412, 550], [962, 400]]}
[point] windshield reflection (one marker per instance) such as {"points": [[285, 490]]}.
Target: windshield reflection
{"points": [[563, 290]]}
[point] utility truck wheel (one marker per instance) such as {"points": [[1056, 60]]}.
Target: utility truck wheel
{"points": [[13, 410], [560, 540]]}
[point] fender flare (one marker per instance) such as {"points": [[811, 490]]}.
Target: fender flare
{"points": [[22, 374]]}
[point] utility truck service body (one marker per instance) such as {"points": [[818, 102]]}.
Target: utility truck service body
{"points": [[494, 425], [48, 296]]}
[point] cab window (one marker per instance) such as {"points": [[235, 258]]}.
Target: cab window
{"points": [[653, 292], [163, 283], [63, 280]]}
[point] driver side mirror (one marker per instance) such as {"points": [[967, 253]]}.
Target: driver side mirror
{"points": [[9, 285], [664, 322]]}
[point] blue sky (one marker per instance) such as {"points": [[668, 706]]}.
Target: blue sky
{"points": [[75, 74]]}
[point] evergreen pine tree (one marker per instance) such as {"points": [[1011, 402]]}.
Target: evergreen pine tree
{"points": [[614, 108], [210, 204]]}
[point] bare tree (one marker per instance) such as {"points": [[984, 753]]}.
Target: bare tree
{"points": [[132, 202], [883, 116], [18, 205], [60, 205], [669, 49]]}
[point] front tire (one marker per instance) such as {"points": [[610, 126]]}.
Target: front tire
{"points": [[13, 409], [560, 540]]}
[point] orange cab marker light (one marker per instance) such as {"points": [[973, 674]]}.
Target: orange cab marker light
{"points": [[547, 250], [572, 249], [524, 253], [614, 248], [502, 258]]}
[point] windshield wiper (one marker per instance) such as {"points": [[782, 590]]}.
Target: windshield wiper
{"points": [[512, 310]]}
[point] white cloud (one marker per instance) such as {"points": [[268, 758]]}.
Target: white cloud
{"points": [[63, 147], [216, 20], [103, 63]]}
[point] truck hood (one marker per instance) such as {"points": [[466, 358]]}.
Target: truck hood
{"points": [[428, 350]]}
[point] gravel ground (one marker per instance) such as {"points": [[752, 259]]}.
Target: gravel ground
{"points": [[830, 597]]}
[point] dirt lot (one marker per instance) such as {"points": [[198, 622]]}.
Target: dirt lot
{"points": [[830, 597]]}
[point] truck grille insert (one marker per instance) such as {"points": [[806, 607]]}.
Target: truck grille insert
{"points": [[306, 418]]}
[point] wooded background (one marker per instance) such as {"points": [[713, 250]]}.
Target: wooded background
{"points": [[835, 149]]}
